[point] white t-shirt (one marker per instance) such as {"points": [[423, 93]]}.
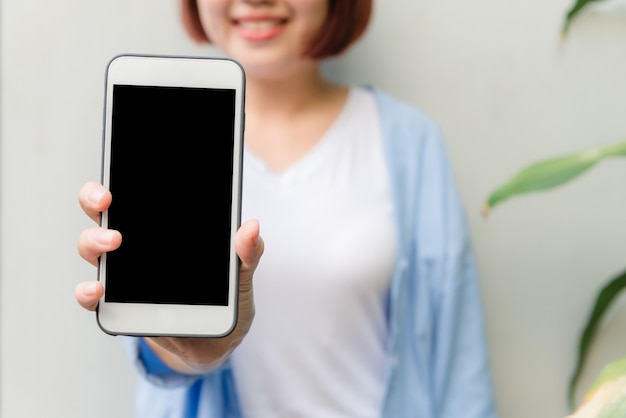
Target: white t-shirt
{"points": [[317, 343]]}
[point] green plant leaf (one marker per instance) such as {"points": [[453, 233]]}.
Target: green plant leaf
{"points": [[603, 301], [552, 172], [573, 12]]}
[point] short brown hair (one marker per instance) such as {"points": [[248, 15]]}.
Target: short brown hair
{"points": [[345, 23]]}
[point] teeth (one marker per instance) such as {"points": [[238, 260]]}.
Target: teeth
{"points": [[259, 25]]}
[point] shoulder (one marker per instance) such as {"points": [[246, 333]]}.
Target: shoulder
{"points": [[409, 134], [395, 112], [406, 129]]}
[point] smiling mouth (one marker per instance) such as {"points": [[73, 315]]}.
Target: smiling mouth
{"points": [[260, 25]]}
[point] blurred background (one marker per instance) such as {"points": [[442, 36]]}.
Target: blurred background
{"points": [[497, 77]]}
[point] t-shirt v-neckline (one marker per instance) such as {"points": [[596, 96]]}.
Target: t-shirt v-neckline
{"points": [[308, 162]]}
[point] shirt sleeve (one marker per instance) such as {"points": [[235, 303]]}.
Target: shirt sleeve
{"points": [[438, 349], [164, 392], [462, 381]]}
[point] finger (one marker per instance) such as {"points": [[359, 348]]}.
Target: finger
{"points": [[88, 294], [94, 198], [249, 246], [92, 242]]}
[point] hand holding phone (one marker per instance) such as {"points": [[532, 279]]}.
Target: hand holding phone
{"points": [[173, 127], [187, 355]]}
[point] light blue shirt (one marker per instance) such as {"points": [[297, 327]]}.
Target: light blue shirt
{"points": [[437, 351]]}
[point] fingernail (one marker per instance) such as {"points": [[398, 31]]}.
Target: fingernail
{"points": [[104, 236], [89, 289], [95, 195]]}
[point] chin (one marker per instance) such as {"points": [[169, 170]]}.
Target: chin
{"points": [[264, 69]]}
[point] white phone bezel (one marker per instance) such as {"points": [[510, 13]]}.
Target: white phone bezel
{"points": [[141, 319]]}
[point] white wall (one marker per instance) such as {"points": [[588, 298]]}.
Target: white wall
{"points": [[494, 75]]}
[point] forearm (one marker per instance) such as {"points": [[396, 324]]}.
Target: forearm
{"points": [[202, 356]]}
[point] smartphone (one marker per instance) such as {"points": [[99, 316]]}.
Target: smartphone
{"points": [[172, 159]]}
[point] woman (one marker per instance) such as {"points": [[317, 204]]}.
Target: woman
{"points": [[366, 301]]}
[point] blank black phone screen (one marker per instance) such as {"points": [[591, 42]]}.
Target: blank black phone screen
{"points": [[171, 177]]}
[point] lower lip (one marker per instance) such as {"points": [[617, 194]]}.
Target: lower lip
{"points": [[259, 35]]}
